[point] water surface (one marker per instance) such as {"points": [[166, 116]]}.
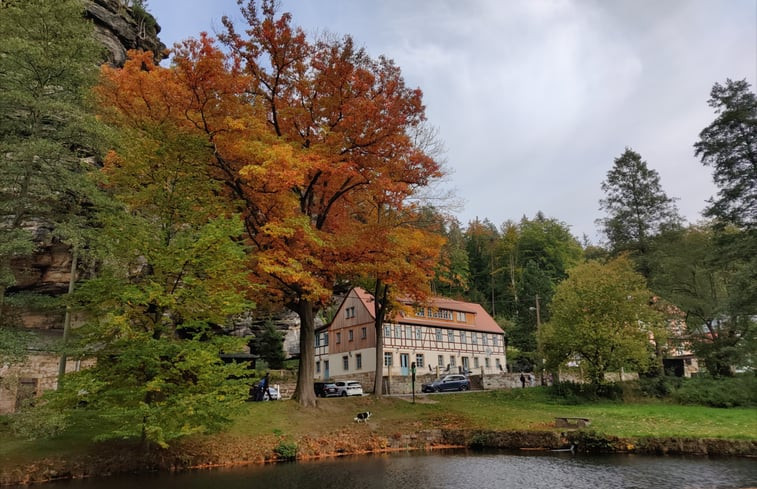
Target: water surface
{"points": [[457, 470]]}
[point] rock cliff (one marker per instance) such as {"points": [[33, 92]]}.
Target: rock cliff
{"points": [[121, 28]]}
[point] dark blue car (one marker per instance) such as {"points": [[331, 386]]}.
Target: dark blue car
{"points": [[448, 383]]}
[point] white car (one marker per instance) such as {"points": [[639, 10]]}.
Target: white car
{"points": [[274, 394], [349, 388]]}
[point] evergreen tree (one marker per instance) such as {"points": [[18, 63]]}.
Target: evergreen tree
{"points": [[637, 207], [729, 145], [269, 344]]}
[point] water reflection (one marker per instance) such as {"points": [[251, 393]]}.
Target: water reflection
{"points": [[457, 470]]}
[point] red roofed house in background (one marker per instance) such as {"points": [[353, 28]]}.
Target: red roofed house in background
{"points": [[441, 336]]}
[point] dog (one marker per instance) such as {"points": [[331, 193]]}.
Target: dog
{"points": [[363, 417]]}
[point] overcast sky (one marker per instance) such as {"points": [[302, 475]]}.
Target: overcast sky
{"points": [[534, 99]]}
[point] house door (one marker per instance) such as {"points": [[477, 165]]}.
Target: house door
{"points": [[325, 369], [404, 363]]}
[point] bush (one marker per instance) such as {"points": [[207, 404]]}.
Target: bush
{"points": [[286, 450], [577, 393], [739, 391], [39, 422], [658, 387]]}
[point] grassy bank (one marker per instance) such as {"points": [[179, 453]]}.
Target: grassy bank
{"points": [[529, 409]]}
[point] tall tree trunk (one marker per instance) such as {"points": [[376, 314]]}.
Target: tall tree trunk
{"points": [[67, 318], [304, 393], [379, 312]]}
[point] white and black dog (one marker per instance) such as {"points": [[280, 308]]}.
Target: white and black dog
{"points": [[362, 417]]}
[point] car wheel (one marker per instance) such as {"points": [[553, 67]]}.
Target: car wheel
{"points": [[344, 393]]}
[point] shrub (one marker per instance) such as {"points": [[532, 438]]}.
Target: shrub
{"points": [[576, 393], [739, 391], [286, 450], [39, 422]]}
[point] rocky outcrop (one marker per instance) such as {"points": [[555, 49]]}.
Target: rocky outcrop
{"points": [[120, 29]]}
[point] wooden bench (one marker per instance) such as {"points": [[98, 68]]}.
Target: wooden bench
{"points": [[572, 422]]}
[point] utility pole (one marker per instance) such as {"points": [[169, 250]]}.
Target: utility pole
{"points": [[538, 341]]}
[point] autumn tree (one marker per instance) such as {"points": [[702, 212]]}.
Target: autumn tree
{"points": [[601, 316], [637, 207], [296, 132], [397, 254]]}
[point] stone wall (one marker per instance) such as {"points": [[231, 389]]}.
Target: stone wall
{"points": [[24, 382]]}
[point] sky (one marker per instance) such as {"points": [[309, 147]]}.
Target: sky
{"points": [[534, 99]]}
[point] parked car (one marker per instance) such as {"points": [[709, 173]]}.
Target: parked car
{"points": [[448, 383], [349, 388], [325, 389]]}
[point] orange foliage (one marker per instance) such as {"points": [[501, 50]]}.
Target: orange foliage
{"points": [[299, 134]]}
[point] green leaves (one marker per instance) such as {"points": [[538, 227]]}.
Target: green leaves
{"points": [[157, 390], [729, 145], [601, 317]]}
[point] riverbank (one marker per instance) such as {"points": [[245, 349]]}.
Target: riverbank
{"points": [[510, 420]]}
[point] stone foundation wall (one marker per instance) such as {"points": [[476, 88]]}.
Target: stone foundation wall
{"points": [[30, 379]]}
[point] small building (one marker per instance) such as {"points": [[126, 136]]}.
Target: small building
{"points": [[440, 336]]}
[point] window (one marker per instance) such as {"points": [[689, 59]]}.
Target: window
{"points": [[387, 331], [486, 363], [440, 360], [349, 312], [463, 338], [474, 338], [445, 314], [387, 359], [338, 337], [420, 312], [475, 362], [364, 333], [452, 360], [499, 365], [418, 333], [495, 340], [325, 339], [358, 361], [419, 360], [318, 340], [350, 336], [451, 336], [485, 339], [466, 363], [317, 367], [408, 332], [345, 363], [438, 334], [398, 331], [461, 316]]}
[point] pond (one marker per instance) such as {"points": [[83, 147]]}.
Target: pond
{"points": [[457, 469]]}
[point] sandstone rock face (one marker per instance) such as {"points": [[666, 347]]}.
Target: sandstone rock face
{"points": [[121, 29]]}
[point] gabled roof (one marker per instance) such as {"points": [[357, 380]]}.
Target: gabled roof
{"points": [[483, 322]]}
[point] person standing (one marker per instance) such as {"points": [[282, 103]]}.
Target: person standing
{"points": [[522, 380]]}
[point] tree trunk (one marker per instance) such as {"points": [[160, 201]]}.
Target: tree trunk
{"points": [[67, 318], [379, 311], [304, 393]]}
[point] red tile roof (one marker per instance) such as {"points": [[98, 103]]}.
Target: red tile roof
{"points": [[483, 322]]}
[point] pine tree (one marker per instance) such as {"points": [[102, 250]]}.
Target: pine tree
{"points": [[729, 145], [637, 207]]}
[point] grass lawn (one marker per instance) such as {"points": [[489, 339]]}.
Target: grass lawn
{"points": [[529, 409], [517, 409]]}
